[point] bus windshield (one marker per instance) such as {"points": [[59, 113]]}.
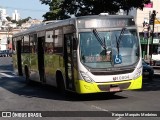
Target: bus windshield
{"points": [[121, 49]]}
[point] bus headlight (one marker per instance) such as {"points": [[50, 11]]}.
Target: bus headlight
{"points": [[86, 77], [137, 73]]}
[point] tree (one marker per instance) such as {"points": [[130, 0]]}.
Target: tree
{"points": [[62, 9], [14, 21], [129, 4], [20, 22], [8, 18], [56, 11]]}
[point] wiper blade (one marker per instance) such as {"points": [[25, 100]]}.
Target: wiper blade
{"points": [[99, 39], [119, 39], [122, 32]]}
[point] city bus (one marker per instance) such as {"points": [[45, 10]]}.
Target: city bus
{"points": [[87, 54]]}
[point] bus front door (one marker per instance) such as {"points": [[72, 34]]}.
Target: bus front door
{"points": [[68, 58], [40, 48], [19, 57]]}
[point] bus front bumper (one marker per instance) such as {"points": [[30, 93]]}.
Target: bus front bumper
{"points": [[83, 87]]}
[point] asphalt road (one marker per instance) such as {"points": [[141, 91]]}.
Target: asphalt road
{"points": [[15, 95]]}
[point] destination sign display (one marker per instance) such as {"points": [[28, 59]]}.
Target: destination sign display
{"points": [[109, 23]]}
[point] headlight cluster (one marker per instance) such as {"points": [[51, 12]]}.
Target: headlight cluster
{"points": [[137, 73], [86, 77]]}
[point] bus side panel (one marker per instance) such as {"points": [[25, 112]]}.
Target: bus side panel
{"points": [[53, 57], [51, 61], [25, 60], [15, 63], [52, 64], [25, 53], [34, 73]]}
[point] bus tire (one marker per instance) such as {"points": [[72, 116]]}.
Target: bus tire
{"points": [[26, 70], [60, 82]]}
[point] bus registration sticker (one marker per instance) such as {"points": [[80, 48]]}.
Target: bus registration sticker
{"points": [[114, 89]]}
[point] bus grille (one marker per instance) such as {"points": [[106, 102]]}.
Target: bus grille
{"points": [[107, 87]]}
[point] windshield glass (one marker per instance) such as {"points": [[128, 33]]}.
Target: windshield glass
{"points": [[109, 49]]}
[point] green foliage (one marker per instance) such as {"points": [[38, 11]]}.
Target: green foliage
{"points": [[8, 18], [62, 9], [14, 21], [129, 4], [56, 10], [19, 22]]}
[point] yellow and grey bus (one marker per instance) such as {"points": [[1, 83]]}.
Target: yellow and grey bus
{"points": [[87, 54]]}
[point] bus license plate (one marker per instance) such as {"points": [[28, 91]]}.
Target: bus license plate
{"points": [[114, 89]]}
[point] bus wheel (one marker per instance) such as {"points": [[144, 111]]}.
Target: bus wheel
{"points": [[27, 80], [60, 82]]}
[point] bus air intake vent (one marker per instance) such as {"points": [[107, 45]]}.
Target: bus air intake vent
{"points": [[107, 87]]}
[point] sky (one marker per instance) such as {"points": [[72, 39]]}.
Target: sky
{"points": [[26, 8]]}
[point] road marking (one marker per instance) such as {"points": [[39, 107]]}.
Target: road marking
{"points": [[6, 75], [102, 109], [99, 108], [118, 118]]}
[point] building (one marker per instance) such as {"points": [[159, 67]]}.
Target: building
{"points": [[8, 29], [145, 29], [5, 37], [15, 15], [30, 23], [143, 16], [3, 14]]}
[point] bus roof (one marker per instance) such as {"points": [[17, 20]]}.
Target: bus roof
{"points": [[71, 21]]}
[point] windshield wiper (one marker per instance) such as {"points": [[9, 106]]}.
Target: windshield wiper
{"points": [[102, 43], [119, 39]]}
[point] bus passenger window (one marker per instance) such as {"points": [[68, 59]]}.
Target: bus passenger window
{"points": [[26, 45], [58, 41], [49, 42]]}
